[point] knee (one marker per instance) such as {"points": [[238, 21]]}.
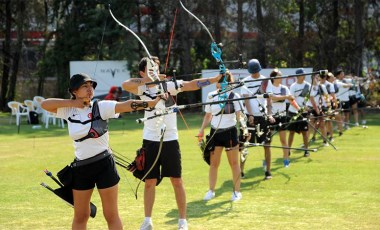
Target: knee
{"points": [[81, 217], [214, 164], [176, 182], [150, 183], [235, 164], [111, 217]]}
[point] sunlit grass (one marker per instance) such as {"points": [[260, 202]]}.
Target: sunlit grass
{"points": [[329, 190]]}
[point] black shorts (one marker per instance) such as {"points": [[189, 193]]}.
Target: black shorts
{"points": [[169, 161], [283, 120], [101, 173], [264, 134], [362, 103], [353, 99], [298, 125], [227, 138], [345, 105]]}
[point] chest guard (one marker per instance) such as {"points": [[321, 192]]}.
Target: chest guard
{"points": [[260, 89], [282, 93], [336, 87], [98, 125], [229, 106], [305, 91]]}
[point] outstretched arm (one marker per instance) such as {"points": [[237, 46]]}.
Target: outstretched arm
{"points": [[131, 85], [133, 105], [199, 83], [52, 104]]}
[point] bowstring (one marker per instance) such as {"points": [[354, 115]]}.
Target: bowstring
{"points": [[167, 62]]}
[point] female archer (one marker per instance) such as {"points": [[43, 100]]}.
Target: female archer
{"points": [[224, 134], [93, 164]]}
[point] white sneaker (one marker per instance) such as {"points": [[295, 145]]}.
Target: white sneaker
{"points": [[183, 226], [209, 195], [356, 124], [325, 144], [147, 225], [364, 122], [236, 196]]}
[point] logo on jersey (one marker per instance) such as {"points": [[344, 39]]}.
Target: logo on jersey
{"points": [[89, 115]]}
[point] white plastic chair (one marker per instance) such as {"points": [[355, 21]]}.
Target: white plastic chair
{"points": [[30, 104], [51, 116], [37, 104], [18, 110]]}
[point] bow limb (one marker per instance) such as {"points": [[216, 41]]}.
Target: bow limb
{"points": [[204, 26], [133, 33], [216, 52], [152, 67]]}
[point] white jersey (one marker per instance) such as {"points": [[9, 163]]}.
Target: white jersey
{"points": [[227, 118], [257, 88], [330, 87], [318, 92], [298, 91], [279, 106], [352, 90], [91, 146], [343, 93], [152, 127]]}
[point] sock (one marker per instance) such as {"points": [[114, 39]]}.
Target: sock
{"points": [[148, 219], [182, 221]]}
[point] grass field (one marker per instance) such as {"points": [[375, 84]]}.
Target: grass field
{"points": [[329, 190]]}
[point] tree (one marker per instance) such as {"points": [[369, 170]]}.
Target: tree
{"points": [[261, 53], [20, 9], [6, 56]]}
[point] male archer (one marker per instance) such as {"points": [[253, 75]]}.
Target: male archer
{"points": [[167, 162], [259, 110], [300, 91]]}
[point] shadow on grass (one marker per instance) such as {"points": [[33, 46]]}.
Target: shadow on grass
{"points": [[202, 209]]}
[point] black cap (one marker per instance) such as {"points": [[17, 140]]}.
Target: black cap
{"points": [[338, 71], [79, 79]]}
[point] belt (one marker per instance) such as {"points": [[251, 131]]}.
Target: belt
{"points": [[100, 156]]}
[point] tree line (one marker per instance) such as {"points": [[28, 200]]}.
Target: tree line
{"points": [[315, 33]]}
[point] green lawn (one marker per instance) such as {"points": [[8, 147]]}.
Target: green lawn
{"points": [[329, 190]]}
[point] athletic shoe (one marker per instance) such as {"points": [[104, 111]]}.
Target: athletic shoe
{"points": [[286, 163], [264, 165], [209, 195], [242, 175], [268, 176], [183, 226], [312, 140], [364, 122], [236, 196], [325, 144], [331, 139], [356, 124], [306, 154], [147, 225]]}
